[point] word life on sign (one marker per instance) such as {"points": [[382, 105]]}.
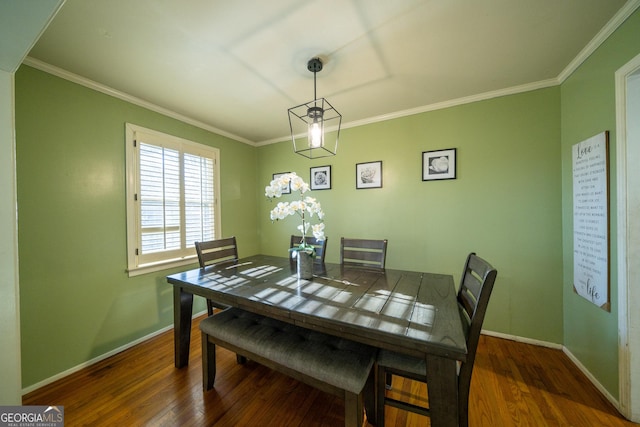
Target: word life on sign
{"points": [[591, 220]]}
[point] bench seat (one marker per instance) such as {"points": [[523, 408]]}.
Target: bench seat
{"points": [[329, 363]]}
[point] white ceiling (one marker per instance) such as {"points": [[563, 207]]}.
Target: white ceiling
{"points": [[237, 66]]}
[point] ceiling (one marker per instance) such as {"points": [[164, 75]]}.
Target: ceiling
{"points": [[237, 66]]}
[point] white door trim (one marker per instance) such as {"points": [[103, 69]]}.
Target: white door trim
{"points": [[628, 273]]}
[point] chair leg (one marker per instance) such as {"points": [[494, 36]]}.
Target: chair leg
{"points": [[209, 307], [208, 363], [387, 380], [463, 411], [380, 394]]}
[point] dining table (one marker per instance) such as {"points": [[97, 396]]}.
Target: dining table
{"points": [[409, 312]]}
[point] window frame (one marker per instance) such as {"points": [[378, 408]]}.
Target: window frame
{"points": [[185, 255]]}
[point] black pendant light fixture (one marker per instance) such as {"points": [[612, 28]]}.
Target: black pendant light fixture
{"points": [[312, 124]]}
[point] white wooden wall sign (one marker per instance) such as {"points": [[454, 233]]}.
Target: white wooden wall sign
{"points": [[591, 219]]}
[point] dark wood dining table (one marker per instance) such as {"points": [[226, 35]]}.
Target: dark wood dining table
{"points": [[406, 311]]}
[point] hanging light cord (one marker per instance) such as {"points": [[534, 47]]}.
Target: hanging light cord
{"points": [[315, 96]]}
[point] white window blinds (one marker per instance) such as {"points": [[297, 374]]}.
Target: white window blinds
{"points": [[173, 186], [159, 199], [199, 198]]}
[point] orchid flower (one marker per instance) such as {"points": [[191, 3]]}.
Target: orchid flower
{"points": [[304, 207]]}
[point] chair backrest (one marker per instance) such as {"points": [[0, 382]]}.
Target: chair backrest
{"points": [[363, 252], [319, 245], [478, 278], [217, 251]]}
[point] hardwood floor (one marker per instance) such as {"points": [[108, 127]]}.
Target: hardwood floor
{"points": [[514, 384]]}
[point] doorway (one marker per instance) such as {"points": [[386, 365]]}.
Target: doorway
{"points": [[628, 207]]}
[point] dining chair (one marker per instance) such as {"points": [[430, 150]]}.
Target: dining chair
{"points": [[319, 245], [477, 282], [363, 252], [217, 251]]}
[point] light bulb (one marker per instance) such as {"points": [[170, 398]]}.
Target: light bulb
{"points": [[315, 135]]}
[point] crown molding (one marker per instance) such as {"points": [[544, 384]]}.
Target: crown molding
{"points": [[437, 106], [456, 102], [599, 38], [59, 72]]}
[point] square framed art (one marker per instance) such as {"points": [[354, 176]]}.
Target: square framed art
{"points": [[369, 175], [440, 164], [320, 178]]}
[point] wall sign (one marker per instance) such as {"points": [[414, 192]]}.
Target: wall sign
{"points": [[591, 219]]}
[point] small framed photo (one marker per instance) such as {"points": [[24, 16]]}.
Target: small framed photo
{"points": [[320, 178], [439, 164], [278, 175], [369, 175]]}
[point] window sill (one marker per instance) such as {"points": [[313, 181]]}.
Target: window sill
{"points": [[162, 265]]}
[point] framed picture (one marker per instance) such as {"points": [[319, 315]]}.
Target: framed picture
{"points": [[320, 178], [278, 175], [439, 164], [369, 175]]}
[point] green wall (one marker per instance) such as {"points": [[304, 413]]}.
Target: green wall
{"points": [[77, 301], [505, 203], [588, 108]]}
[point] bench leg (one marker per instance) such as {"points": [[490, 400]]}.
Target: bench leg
{"points": [[208, 363], [353, 410], [369, 395], [380, 394]]}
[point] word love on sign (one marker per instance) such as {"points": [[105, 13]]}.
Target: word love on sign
{"points": [[591, 219]]}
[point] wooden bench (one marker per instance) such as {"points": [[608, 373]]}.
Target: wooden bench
{"points": [[331, 364]]}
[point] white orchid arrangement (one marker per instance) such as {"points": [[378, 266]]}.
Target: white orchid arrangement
{"points": [[305, 208]]}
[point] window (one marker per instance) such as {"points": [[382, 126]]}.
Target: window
{"points": [[172, 188]]}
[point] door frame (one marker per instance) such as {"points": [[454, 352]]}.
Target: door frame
{"points": [[628, 245]]}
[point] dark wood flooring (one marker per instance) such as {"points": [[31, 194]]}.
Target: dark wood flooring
{"points": [[514, 384]]}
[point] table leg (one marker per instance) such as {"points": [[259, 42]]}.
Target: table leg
{"points": [[182, 311], [442, 380]]}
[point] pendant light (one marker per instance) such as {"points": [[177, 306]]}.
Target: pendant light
{"points": [[312, 121]]}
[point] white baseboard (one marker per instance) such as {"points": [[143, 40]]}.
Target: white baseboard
{"points": [[593, 380], [522, 339], [566, 351], [99, 358]]}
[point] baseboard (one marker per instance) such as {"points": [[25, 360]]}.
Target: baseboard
{"points": [[100, 358], [593, 380], [566, 351], [523, 340]]}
